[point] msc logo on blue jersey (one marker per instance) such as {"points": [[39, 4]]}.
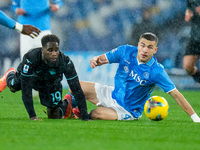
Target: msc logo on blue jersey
{"points": [[137, 78], [25, 69]]}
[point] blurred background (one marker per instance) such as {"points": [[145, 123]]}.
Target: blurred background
{"points": [[91, 27]]}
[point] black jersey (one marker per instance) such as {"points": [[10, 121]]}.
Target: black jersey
{"points": [[36, 74], [195, 20], [33, 65]]}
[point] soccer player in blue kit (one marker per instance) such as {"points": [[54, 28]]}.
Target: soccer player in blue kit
{"points": [[12, 24], [136, 77], [37, 13]]}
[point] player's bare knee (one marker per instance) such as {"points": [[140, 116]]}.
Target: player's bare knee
{"points": [[188, 68]]}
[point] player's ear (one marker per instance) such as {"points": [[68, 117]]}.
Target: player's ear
{"points": [[156, 49]]}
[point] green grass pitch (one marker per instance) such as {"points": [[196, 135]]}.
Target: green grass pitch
{"points": [[176, 132]]}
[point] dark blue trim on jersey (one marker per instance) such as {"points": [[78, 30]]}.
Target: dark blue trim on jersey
{"points": [[72, 77], [27, 75]]}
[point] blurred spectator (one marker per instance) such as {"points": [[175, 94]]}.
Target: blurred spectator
{"points": [[145, 25], [192, 14], [36, 13]]}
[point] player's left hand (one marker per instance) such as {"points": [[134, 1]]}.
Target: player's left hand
{"points": [[30, 30], [54, 7]]}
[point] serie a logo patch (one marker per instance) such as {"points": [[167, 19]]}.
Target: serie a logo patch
{"points": [[25, 69]]}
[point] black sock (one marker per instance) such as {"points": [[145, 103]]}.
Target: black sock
{"points": [[196, 76], [63, 107]]}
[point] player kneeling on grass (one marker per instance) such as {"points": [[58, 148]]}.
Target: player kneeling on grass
{"points": [[136, 77], [42, 69]]}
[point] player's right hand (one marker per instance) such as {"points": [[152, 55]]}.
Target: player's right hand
{"points": [[98, 61], [94, 62], [30, 30]]}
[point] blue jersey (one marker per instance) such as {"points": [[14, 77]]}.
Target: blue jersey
{"points": [[6, 21], [134, 81], [38, 12]]}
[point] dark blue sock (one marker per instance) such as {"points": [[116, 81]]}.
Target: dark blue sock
{"points": [[74, 102], [90, 114]]}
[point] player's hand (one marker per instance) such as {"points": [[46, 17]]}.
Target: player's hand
{"points": [[94, 62], [188, 15], [30, 30], [98, 61], [20, 11], [54, 7], [35, 118], [198, 10]]}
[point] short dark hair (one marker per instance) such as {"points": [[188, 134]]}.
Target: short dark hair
{"points": [[49, 38], [149, 36]]}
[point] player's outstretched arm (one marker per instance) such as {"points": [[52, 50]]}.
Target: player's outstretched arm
{"points": [[183, 103], [12, 24], [98, 61]]}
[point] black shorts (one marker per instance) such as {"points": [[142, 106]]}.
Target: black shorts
{"points": [[193, 47], [51, 96]]}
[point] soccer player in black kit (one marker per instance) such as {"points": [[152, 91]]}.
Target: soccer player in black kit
{"points": [[42, 69]]}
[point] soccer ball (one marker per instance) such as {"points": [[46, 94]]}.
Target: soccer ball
{"points": [[156, 108]]}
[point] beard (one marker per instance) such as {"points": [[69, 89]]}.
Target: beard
{"points": [[52, 64]]}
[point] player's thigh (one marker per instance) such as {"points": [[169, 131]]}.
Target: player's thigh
{"points": [[190, 60], [104, 113], [89, 91]]}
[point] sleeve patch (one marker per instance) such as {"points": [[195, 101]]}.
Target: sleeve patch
{"points": [[25, 69]]}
